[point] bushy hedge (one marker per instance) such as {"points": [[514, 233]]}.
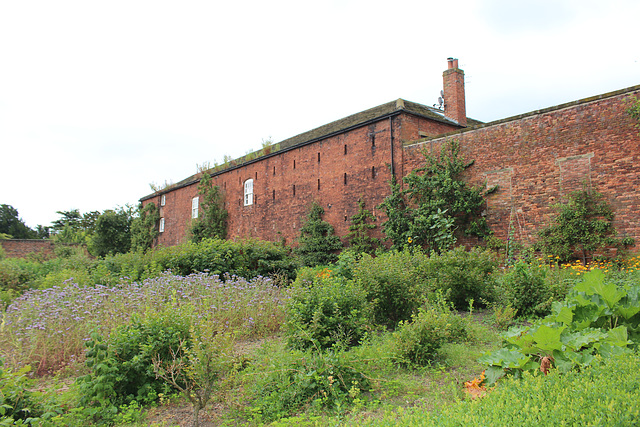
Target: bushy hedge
{"points": [[393, 283], [326, 310], [246, 258]]}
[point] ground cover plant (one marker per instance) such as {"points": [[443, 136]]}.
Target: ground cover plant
{"points": [[573, 398]]}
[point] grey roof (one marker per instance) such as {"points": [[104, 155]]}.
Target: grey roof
{"points": [[339, 126]]}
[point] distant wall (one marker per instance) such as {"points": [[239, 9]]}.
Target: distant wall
{"points": [[20, 248]]}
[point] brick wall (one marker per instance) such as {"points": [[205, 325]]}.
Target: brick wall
{"points": [[538, 158], [335, 172], [20, 248]]}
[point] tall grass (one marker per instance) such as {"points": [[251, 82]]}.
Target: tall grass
{"points": [[47, 328]]}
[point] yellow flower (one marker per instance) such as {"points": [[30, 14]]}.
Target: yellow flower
{"points": [[410, 240]]}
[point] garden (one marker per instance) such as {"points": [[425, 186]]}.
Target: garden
{"points": [[415, 331], [401, 337]]}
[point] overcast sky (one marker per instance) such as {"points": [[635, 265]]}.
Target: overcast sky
{"points": [[100, 99]]}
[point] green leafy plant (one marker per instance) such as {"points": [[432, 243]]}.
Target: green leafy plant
{"points": [[462, 275], [196, 367], [298, 380], [326, 311], [528, 289], [122, 368], [435, 204], [212, 221], [361, 225], [144, 227], [583, 225], [597, 318], [17, 404], [317, 245], [417, 342], [393, 283]]}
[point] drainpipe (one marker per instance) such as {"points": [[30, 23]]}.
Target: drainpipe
{"points": [[393, 172]]}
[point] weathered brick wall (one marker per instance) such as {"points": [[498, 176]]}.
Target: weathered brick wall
{"points": [[538, 158], [335, 172], [20, 248]]}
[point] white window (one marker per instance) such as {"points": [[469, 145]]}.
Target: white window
{"points": [[163, 200], [161, 226], [248, 192], [194, 207]]}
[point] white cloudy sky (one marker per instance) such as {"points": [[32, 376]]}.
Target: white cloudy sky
{"points": [[100, 98]]}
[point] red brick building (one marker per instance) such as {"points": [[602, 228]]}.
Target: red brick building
{"points": [[535, 158]]}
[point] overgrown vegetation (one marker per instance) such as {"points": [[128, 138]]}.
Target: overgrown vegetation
{"points": [[336, 342], [212, 218], [584, 224], [317, 245], [437, 205], [362, 224]]}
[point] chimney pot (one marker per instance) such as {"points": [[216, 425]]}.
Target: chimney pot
{"points": [[454, 102]]}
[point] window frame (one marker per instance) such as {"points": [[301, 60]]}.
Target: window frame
{"points": [[248, 192], [195, 204], [161, 225]]}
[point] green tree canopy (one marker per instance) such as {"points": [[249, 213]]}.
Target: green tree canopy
{"points": [[112, 232], [12, 225], [144, 227]]}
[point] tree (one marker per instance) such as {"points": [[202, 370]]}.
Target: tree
{"points": [[212, 222], [583, 224], [11, 224], [112, 232], [436, 205], [317, 244], [144, 227], [358, 236]]}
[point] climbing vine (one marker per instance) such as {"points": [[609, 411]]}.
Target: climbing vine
{"points": [[436, 205], [212, 222]]}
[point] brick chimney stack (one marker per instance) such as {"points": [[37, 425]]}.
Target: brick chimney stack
{"points": [[454, 104]]}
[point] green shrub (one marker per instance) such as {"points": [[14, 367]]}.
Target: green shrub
{"points": [[17, 404], [463, 275], [122, 368], [418, 341], [325, 311], [529, 289], [296, 380], [246, 258], [393, 284], [317, 244]]}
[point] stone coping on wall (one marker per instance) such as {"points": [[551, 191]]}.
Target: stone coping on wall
{"points": [[584, 101]]}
